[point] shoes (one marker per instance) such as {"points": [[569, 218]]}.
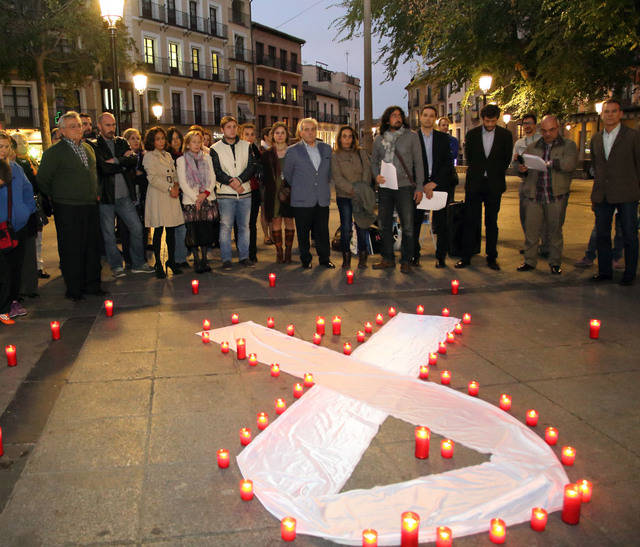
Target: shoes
{"points": [[405, 268], [555, 269], [268, 241], [584, 262], [145, 268], [618, 264], [384, 265], [118, 271], [346, 261], [43, 275], [175, 269], [74, 297], [17, 310], [246, 262], [6, 320], [626, 281], [328, 264], [226, 266], [415, 262], [493, 265], [440, 263], [160, 273], [525, 267], [254, 259], [98, 292], [184, 265], [306, 265], [462, 264], [599, 278]]}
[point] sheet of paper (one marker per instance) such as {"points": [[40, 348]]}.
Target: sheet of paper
{"points": [[437, 202], [534, 162], [388, 171]]}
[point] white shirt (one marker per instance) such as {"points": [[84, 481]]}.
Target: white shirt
{"points": [[428, 146], [521, 144], [314, 155], [487, 140], [608, 138]]}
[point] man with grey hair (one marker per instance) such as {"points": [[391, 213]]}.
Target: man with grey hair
{"points": [[67, 174]]}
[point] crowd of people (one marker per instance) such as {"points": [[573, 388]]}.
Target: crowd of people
{"points": [[103, 188]]}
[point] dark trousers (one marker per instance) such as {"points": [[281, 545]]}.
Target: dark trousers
{"points": [[317, 219], [253, 224], [78, 228], [401, 200], [11, 272], [438, 226], [345, 208], [473, 221], [170, 239], [628, 213], [29, 274]]}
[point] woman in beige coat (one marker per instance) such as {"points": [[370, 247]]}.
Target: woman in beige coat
{"points": [[162, 208]]}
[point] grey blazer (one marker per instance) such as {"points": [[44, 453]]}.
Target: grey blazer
{"points": [[408, 146], [308, 186], [616, 180]]}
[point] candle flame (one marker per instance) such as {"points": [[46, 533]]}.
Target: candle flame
{"points": [[410, 523], [370, 535], [289, 523]]}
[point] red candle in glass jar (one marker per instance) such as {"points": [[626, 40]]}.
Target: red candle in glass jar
{"points": [[246, 489], [458, 328], [424, 372], [445, 312], [308, 380], [346, 348], [336, 323], [253, 359], [262, 420], [288, 529], [568, 456], [235, 318], [444, 537], [379, 319], [423, 437], [195, 286], [368, 327], [442, 348], [320, 325], [317, 338], [532, 417], [505, 402], [298, 390], [466, 319], [360, 336], [205, 337], [392, 311], [451, 338], [433, 359], [206, 324], [272, 279], [446, 448], [594, 329], [586, 489], [409, 530], [245, 436], [455, 286], [275, 370], [291, 329], [369, 538], [271, 322], [474, 388], [551, 435], [281, 406], [445, 377], [55, 330], [497, 531], [224, 347], [420, 309], [223, 458], [538, 519], [108, 308], [241, 348], [571, 504], [349, 277], [12, 355]]}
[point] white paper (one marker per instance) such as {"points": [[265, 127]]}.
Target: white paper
{"points": [[388, 171], [437, 202], [534, 162]]}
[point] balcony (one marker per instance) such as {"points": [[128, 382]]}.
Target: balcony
{"points": [[277, 63], [218, 29], [188, 117], [240, 55], [331, 118], [243, 87], [162, 14], [163, 65], [16, 117], [239, 17]]}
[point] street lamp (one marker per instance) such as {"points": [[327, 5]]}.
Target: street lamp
{"points": [[112, 12], [484, 82], [599, 106], [140, 84], [157, 110], [506, 118]]}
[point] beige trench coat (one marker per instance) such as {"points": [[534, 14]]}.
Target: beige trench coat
{"points": [[161, 209]]}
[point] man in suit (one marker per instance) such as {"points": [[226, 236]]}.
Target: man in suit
{"points": [[438, 176], [307, 169], [615, 154], [487, 149]]}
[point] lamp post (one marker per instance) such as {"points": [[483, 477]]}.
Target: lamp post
{"points": [[157, 110], [484, 82], [506, 118], [599, 112], [112, 12], [140, 84]]}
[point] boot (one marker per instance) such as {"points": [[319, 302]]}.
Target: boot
{"points": [[276, 235], [204, 264], [362, 260], [346, 261], [288, 241], [197, 265], [160, 273]]}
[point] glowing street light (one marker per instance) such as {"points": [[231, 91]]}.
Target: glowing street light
{"points": [[506, 118], [140, 80], [112, 11], [157, 110], [484, 83]]}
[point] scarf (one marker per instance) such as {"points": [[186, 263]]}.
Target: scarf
{"points": [[389, 140], [197, 172]]}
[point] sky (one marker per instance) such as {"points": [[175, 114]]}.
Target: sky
{"points": [[322, 45]]}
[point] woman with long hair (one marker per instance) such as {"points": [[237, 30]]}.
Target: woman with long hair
{"points": [[175, 140], [162, 207]]}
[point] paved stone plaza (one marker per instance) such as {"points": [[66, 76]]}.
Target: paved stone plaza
{"points": [[110, 434]]}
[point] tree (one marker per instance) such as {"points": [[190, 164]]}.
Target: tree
{"points": [[60, 42], [544, 55]]}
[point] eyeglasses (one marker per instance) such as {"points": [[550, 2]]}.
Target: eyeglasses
{"points": [[528, 123]]}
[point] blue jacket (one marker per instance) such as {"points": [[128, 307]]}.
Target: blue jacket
{"points": [[22, 199], [308, 186]]}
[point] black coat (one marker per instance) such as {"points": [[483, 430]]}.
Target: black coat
{"points": [[495, 165], [106, 171], [442, 168]]}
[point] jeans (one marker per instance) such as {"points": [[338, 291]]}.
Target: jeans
{"points": [[126, 210], [618, 246], [235, 210], [181, 246], [628, 213], [402, 200], [253, 224], [345, 208]]}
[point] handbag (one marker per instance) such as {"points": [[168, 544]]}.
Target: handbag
{"points": [[284, 194], [8, 240]]}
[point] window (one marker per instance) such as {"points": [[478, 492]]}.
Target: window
{"points": [[294, 94], [197, 109], [274, 119], [260, 87], [283, 59], [272, 55], [283, 92], [193, 15], [241, 83], [259, 52], [215, 65], [174, 57], [441, 110], [239, 47], [153, 97], [262, 122], [429, 94], [213, 20], [17, 103], [217, 109], [149, 51], [295, 123], [171, 12], [195, 61], [176, 108], [294, 62], [273, 86]]}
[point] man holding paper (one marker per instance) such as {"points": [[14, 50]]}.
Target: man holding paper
{"points": [[396, 164]]}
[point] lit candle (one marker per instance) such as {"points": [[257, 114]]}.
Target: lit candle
{"points": [[571, 504], [474, 388], [442, 348], [368, 327], [551, 435], [308, 379], [195, 286], [466, 319], [451, 338], [505, 402], [444, 538], [271, 322], [420, 309], [12, 357], [298, 390], [281, 406], [336, 323], [288, 528], [272, 279], [532, 417], [458, 328], [291, 329], [206, 324], [317, 338], [346, 348], [246, 489], [445, 312], [538, 519], [241, 348], [349, 277], [497, 531], [55, 330], [568, 455], [410, 529], [320, 325], [108, 308], [446, 448], [586, 489], [594, 329], [263, 420], [455, 285], [223, 458], [224, 347], [424, 372], [253, 359], [423, 436], [235, 318], [275, 370], [379, 319], [369, 538], [205, 337], [392, 311], [445, 377], [360, 336], [245, 436], [433, 359]]}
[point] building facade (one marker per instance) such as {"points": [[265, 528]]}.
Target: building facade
{"points": [[324, 106]]}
